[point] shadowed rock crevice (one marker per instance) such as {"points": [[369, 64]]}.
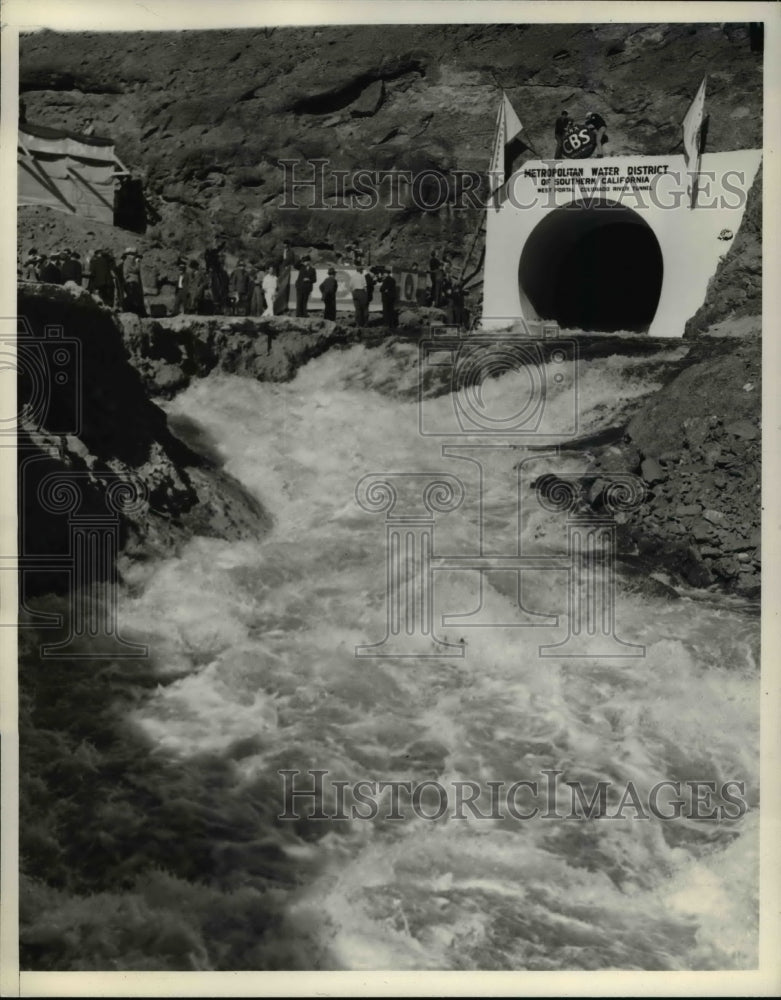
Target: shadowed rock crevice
{"points": [[365, 90]]}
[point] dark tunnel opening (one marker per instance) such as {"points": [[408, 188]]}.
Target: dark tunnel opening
{"points": [[592, 266]]}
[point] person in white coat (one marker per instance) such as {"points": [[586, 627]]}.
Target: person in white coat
{"points": [[270, 290]]}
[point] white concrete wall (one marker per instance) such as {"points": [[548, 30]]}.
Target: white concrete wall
{"points": [[687, 237]]}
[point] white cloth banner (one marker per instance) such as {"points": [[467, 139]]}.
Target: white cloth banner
{"points": [[508, 126], [692, 124]]}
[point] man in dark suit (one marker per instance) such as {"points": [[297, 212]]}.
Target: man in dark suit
{"points": [[240, 287], [133, 297], [196, 286], [71, 267], [101, 277], [370, 282], [328, 287], [50, 269], [182, 285], [304, 284], [434, 272], [458, 298], [388, 294], [286, 257]]}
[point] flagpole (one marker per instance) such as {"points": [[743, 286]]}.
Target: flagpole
{"points": [[700, 144], [692, 139], [497, 156]]}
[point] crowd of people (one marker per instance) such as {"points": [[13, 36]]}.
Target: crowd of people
{"points": [[116, 283], [446, 290], [206, 287]]}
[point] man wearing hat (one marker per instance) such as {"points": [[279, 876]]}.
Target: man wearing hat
{"points": [[328, 287], [101, 278], [50, 270], [240, 287], [71, 267], [196, 286], [286, 257], [182, 283], [133, 297], [388, 294], [304, 284]]}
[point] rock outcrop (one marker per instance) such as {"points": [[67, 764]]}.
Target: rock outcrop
{"points": [[696, 444], [169, 352], [701, 441], [89, 429]]}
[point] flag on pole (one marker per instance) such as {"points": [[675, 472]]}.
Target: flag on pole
{"points": [[692, 137], [507, 144]]}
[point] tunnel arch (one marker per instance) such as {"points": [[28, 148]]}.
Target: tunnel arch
{"points": [[594, 265]]}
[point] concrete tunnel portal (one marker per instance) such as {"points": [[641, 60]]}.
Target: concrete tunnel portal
{"points": [[593, 265]]}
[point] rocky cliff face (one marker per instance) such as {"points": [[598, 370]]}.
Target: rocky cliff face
{"points": [[735, 290], [206, 117], [90, 423], [696, 445]]}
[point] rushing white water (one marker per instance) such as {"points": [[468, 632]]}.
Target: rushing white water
{"points": [[260, 637]]}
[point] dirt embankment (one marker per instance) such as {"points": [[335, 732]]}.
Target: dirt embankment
{"points": [[699, 447]]}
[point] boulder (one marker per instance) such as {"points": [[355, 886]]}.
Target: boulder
{"points": [[688, 510], [370, 101], [696, 430], [652, 472], [742, 429]]}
